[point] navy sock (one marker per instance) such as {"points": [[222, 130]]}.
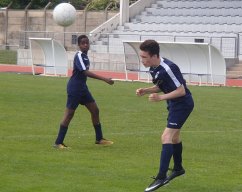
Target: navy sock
{"points": [[166, 154], [177, 156], [61, 135], [98, 131]]}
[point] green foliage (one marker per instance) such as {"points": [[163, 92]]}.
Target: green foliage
{"points": [[4, 3], [101, 4], [78, 4], [32, 107], [19, 4], [40, 4]]}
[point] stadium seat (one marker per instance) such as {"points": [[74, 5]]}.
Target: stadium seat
{"points": [[185, 20]]}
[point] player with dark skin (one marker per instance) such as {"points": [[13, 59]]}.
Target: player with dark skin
{"points": [[78, 93]]}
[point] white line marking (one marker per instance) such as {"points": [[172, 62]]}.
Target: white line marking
{"points": [[128, 133]]}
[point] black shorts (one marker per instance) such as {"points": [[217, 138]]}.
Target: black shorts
{"points": [[179, 112], [74, 100]]}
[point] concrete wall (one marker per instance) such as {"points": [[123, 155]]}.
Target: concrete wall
{"points": [[99, 61], [14, 22]]}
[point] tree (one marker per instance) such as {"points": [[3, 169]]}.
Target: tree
{"points": [[78, 4], [4, 3], [19, 4], [102, 4]]}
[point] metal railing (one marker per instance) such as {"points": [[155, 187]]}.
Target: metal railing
{"points": [[229, 46]]}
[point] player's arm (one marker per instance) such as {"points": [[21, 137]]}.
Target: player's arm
{"points": [[148, 90], [95, 76], [179, 92]]}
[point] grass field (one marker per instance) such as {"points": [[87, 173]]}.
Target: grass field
{"points": [[32, 107], [8, 56]]}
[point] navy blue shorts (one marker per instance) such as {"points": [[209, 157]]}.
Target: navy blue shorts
{"points": [[179, 112], [74, 100]]}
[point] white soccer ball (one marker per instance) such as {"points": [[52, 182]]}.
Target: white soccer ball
{"points": [[64, 14]]}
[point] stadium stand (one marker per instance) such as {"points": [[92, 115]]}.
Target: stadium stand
{"points": [[218, 22]]}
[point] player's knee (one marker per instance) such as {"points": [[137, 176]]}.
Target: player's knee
{"points": [[70, 115], [166, 138], [95, 112], [176, 140]]}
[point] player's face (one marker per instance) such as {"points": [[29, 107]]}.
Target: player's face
{"points": [[146, 59], [84, 45]]}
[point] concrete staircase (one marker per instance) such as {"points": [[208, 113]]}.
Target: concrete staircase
{"points": [[235, 71]]}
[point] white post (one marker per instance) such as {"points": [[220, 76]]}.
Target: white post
{"points": [[210, 62], [31, 56], [124, 12], [53, 55]]}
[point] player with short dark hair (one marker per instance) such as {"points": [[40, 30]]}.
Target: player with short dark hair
{"points": [[167, 78], [78, 93]]}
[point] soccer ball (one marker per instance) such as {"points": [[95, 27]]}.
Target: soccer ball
{"points": [[64, 14]]}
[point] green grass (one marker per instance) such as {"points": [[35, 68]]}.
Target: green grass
{"points": [[8, 57], [31, 108]]}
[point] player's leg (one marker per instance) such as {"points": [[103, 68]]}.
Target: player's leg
{"points": [[166, 154], [71, 105], [167, 150], [180, 116], [68, 115], [177, 152], [177, 157], [94, 111]]}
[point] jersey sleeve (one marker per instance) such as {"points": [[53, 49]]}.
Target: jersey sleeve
{"points": [[79, 62], [177, 78]]}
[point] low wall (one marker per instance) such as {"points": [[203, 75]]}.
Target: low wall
{"points": [[14, 22], [99, 61]]}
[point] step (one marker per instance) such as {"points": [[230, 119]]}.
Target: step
{"points": [[234, 76], [234, 73], [236, 67]]}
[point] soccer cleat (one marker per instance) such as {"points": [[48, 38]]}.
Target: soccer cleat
{"points": [[176, 173], [60, 146], [104, 142], [157, 183]]}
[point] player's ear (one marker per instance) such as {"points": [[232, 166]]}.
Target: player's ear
{"points": [[155, 56]]}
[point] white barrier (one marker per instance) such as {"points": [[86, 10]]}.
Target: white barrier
{"points": [[200, 63], [55, 61]]}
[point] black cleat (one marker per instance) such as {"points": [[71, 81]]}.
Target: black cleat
{"points": [[157, 183], [175, 173]]}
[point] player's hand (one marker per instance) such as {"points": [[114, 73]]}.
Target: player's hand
{"points": [[154, 97], [109, 81], [140, 92]]}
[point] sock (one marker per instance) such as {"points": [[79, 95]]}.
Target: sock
{"points": [[98, 131], [61, 135], [166, 154], [177, 156]]}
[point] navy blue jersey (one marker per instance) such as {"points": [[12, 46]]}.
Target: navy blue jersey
{"points": [[77, 83], [168, 77]]}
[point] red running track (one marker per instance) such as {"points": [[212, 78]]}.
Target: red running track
{"points": [[114, 75]]}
